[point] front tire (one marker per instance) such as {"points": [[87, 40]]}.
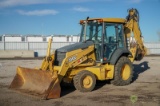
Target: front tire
{"points": [[123, 73], [84, 81]]}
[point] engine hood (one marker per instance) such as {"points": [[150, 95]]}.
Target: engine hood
{"points": [[79, 45]]}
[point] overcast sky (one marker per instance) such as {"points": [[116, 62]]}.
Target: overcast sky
{"points": [[62, 16]]}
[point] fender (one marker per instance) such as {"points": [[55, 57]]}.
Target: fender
{"points": [[118, 53]]}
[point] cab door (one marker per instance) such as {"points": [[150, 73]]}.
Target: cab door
{"points": [[112, 39]]}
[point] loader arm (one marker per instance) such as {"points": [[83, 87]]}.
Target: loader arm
{"points": [[48, 60], [132, 26]]}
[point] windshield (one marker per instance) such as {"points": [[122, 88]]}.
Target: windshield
{"points": [[93, 31]]}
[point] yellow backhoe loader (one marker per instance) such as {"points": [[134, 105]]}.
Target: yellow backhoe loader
{"points": [[104, 52]]}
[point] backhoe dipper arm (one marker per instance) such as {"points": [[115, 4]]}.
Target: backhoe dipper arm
{"points": [[132, 25]]}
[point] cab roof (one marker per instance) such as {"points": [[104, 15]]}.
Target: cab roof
{"points": [[115, 20]]}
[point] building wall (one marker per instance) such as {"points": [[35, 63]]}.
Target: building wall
{"points": [[39, 38], [59, 39], [11, 39], [48, 37], [38, 45], [153, 47], [40, 48], [64, 38], [34, 39], [75, 38]]}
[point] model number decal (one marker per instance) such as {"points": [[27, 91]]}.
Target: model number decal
{"points": [[72, 59]]}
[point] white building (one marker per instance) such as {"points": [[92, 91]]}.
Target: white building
{"points": [[38, 43], [38, 38], [35, 38], [11, 38]]}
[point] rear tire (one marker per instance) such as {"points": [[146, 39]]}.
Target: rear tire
{"points": [[123, 72], [84, 81]]}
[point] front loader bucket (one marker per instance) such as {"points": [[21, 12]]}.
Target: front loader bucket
{"points": [[36, 82]]}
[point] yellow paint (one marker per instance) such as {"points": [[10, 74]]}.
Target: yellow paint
{"points": [[87, 81], [73, 63], [102, 72], [133, 51], [125, 72], [116, 20]]}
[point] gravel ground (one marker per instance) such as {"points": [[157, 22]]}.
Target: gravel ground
{"points": [[145, 88]]}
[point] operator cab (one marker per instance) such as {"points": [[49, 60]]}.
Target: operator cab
{"points": [[107, 37]]}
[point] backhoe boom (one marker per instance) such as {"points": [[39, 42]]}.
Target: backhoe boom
{"points": [[132, 26]]}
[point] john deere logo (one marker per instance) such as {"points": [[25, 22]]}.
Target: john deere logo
{"points": [[133, 98]]}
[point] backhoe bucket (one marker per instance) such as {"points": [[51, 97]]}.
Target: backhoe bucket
{"points": [[36, 82]]}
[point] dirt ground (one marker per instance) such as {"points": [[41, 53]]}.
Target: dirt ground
{"points": [[145, 88]]}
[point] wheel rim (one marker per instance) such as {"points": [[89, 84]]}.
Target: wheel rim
{"points": [[87, 81], [125, 72]]}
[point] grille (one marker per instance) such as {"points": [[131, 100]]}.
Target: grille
{"points": [[59, 56]]}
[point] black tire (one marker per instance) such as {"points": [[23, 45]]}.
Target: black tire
{"points": [[121, 79], [82, 76]]}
